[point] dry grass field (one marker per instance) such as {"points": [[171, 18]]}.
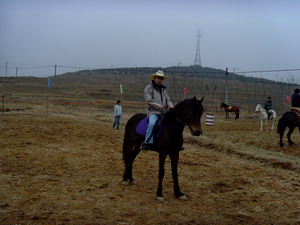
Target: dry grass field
{"points": [[62, 169], [58, 168]]}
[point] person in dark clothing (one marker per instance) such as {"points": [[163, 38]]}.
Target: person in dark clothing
{"points": [[268, 106], [296, 100]]}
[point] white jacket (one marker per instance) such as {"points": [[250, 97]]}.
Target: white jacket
{"points": [[155, 98], [118, 110]]}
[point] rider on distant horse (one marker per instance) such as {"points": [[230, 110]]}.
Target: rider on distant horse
{"points": [[296, 101], [157, 100], [268, 106]]}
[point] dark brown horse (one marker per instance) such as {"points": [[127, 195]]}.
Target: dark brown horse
{"points": [[168, 143], [230, 108], [290, 120]]}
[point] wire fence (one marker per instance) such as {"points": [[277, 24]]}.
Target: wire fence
{"points": [[99, 91], [281, 75], [47, 105]]}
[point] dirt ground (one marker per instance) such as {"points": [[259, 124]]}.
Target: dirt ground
{"points": [[61, 169]]}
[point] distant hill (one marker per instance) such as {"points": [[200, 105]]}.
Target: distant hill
{"points": [[185, 71]]}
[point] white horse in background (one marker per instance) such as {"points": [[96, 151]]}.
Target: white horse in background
{"points": [[264, 117]]}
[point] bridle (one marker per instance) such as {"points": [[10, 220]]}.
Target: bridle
{"points": [[186, 119], [180, 121]]}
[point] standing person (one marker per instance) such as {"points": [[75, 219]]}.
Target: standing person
{"points": [[118, 114], [268, 106], [157, 101], [296, 100]]}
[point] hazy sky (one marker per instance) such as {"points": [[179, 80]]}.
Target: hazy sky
{"points": [[239, 34]]}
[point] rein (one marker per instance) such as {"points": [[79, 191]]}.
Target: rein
{"points": [[186, 119], [179, 120]]}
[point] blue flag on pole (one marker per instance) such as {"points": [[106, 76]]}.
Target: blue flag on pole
{"points": [[49, 82]]}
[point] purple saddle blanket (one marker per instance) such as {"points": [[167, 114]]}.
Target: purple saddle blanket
{"points": [[141, 128]]}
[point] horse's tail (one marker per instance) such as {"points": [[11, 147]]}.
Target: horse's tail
{"points": [[281, 125], [125, 144], [131, 141], [126, 141], [273, 114]]}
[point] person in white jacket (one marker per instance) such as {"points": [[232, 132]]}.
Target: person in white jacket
{"points": [[118, 114], [157, 100]]}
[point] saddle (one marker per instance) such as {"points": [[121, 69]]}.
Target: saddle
{"points": [[297, 112], [141, 128]]}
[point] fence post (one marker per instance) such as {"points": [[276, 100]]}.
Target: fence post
{"points": [[2, 104], [47, 105], [90, 108], [226, 86]]}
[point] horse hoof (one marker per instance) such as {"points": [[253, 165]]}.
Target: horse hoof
{"points": [[183, 197], [127, 182], [160, 199]]}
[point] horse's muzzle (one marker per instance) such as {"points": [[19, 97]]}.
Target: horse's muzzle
{"points": [[197, 132]]}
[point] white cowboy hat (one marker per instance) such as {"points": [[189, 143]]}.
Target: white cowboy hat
{"points": [[158, 74]]}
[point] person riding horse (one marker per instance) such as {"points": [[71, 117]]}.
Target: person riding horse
{"points": [[290, 119], [157, 100], [268, 106], [296, 101]]}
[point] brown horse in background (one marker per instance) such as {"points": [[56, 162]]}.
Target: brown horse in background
{"points": [[230, 108]]}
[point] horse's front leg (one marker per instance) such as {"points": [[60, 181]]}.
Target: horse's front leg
{"points": [[161, 174], [261, 124], [272, 128], [174, 156]]}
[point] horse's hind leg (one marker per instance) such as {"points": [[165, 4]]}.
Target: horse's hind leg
{"points": [[161, 174], [129, 157], [291, 129], [237, 115], [174, 162]]}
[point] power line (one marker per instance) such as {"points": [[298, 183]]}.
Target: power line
{"points": [[268, 71], [76, 67], [33, 67]]}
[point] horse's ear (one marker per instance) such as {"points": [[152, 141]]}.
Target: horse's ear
{"points": [[201, 100], [194, 99]]}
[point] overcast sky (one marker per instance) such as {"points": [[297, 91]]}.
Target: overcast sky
{"points": [[240, 35]]}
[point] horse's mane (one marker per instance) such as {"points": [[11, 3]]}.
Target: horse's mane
{"points": [[173, 112], [178, 110]]}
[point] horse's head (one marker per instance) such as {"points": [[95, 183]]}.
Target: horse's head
{"points": [[193, 116], [258, 108]]}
